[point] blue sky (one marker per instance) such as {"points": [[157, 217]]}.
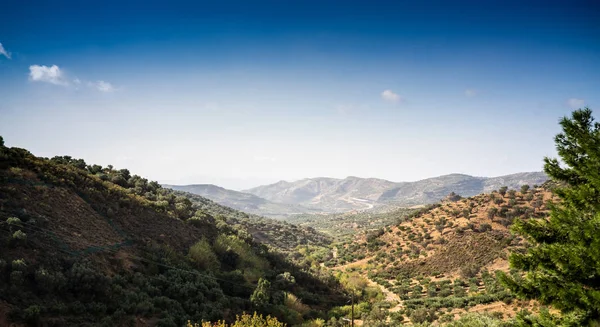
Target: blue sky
{"points": [[241, 93]]}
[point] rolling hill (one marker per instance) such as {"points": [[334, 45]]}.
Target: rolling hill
{"points": [[242, 201], [85, 245], [432, 190], [354, 193]]}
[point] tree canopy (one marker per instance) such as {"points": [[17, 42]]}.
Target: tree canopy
{"points": [[562, 266]]}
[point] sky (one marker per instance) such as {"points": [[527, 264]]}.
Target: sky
{"points": [[244, 93]]}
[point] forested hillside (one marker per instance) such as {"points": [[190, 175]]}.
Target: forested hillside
{"points": [[279, 235], [88, 245], [350, 223]]}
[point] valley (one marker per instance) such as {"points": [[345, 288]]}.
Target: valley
{"points": [[150, 255], [329, 195]]}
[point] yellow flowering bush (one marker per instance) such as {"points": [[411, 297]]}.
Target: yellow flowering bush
{"points": [[244, 320]]}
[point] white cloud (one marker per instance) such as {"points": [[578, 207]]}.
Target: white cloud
{"points": [[55, 75], [470, 92], [389, 95], [575, 103], [4, 52], [47, 74], [103, 86]]}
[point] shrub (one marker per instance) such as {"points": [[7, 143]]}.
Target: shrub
{"points": [[203, 256], [475, 320], [244, 320], [13, 221], [19, 236], [18, 264], [469, 271], [32, 314], [503, 190], [485, 227], [422, 315]]}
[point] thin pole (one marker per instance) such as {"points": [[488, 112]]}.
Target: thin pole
{"points": [[352, 309]]}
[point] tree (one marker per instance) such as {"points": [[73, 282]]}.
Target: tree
{"points": [[524, 188], [261, 295], [503, 190], [562, 264]]}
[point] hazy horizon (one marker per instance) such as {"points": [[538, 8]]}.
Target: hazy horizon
{"points": [[243, 94], [339, 178]]}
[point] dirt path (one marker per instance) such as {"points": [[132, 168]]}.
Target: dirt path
{"points": [[389, 295]]}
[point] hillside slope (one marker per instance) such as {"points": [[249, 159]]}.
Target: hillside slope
{"points": [[441, 260], [279, 235], [432, 190], [354, 193], [89, 246], [242, 201], [327, 194]]}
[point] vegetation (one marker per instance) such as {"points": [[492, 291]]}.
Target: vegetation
{"points": [[244, 320], [345, 224], [91, 245], [562, 263], [278, 235]]}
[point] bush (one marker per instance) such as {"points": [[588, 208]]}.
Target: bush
{"points": [[469, 271], [475, 320], [18, 264], [32, 314], [203, 256], [503, 190], [422, 315], [244, 320], [13, 221], [19, 236], [485, 227]]}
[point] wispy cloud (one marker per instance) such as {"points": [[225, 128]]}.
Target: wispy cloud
{"points": [[389, 95], [470, 93], [52, 74], [102, 86], [4, 52], [55, 75], [575, 103]]}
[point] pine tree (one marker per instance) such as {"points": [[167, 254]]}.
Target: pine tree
{"points": [[562, 266]]}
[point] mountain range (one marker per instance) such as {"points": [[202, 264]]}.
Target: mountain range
{"points": [[329, 195]]}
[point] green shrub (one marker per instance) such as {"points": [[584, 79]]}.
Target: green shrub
{"points": [[475, 320], [13, 221], [18, 264], [19, 236], [203, 256], [32, 314]]}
